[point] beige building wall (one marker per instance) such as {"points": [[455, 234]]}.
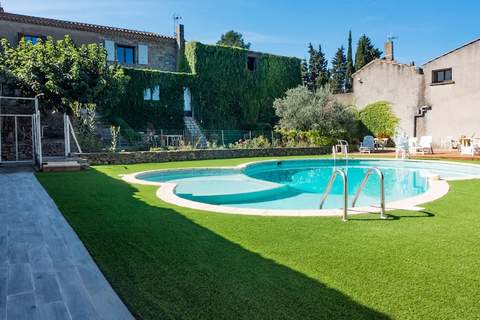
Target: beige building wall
{"points": [[399, 84], [456, 105], [162, 53]]}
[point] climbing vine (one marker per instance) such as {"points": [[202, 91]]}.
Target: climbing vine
{"points": [[140, 113], [225, 93]]}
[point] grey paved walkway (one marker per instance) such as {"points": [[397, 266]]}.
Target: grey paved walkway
{"points": [[45, 271]]}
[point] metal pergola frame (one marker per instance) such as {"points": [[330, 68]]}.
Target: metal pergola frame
{"points": [[36, 135]]}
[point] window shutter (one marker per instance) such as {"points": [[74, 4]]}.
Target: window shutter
{"points": [[110, 47], [156, 93], [142, 54]]}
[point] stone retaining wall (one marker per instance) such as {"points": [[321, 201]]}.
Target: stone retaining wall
{"points": [[167, 156]]}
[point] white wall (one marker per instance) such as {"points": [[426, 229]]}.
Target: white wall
{"points": [[456, 106], [399, 84]]}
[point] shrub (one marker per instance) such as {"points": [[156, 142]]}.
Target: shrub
{"points": [[379, 119], [304, 111], [294, 138], [259, 142]]}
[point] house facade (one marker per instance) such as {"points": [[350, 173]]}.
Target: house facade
{"points": [[127, 47], [440, 99]]}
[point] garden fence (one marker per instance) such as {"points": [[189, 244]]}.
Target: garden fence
{"points": [[149, 139]]}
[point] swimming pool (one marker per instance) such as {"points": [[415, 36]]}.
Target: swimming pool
{"points": [[295, 187]]}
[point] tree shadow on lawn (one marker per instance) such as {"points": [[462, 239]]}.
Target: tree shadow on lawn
{"points": [[163, 265]]}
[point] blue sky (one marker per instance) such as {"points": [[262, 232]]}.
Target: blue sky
{"points": [[425, 28]]}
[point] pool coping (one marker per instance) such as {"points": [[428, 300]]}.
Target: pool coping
{"points": [[166, 192]]}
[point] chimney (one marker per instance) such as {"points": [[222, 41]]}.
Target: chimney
{"points": [[180, 35], [388, 53]]}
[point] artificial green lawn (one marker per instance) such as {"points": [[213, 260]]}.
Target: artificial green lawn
{"points": [[171, 262]]}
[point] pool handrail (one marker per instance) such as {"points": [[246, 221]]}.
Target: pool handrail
{"points": [[342, 173], [382, 190]]}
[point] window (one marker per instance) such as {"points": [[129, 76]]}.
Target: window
{"points": [[30, 38], [251, 63], [125, 54], [152, 94], [442, 76]]}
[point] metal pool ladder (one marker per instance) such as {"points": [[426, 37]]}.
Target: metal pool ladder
{"points": [[382, 190], [342, 173]]}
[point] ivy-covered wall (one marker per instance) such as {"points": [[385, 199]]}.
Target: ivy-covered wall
{"points": [[228, 95], [225, 93], [166, 113]]}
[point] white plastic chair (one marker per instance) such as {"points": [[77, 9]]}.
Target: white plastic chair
{"points": [[472, 149], [401, 145], [412, 145], [424, 145], [368, 144], [448, 143]]}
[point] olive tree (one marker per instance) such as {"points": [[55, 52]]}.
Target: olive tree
{"points": [[304, 110]]}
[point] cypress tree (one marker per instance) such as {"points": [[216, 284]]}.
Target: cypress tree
{"points": [[318, 73], [365, 52], [312, 67], [350, 66], [323, 74], [338, 72], [305, 73]]}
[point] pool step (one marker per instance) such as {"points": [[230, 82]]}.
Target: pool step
{"points": [[277, 193]]}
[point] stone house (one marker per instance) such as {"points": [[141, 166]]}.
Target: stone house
{"points": [[130, 48], [440, 99], [127, 47]]}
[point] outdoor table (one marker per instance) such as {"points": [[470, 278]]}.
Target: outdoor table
{"points": [[173, 140]]}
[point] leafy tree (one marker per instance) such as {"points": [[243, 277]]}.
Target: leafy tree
{"points": [[338, 72], [350, 66], [304, 110], [233, 39], [70, 77], [379, 119], [365, 52], [318, 73]]}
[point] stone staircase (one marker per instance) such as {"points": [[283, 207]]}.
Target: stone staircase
{"points": [[193, 133], [60, 164]]}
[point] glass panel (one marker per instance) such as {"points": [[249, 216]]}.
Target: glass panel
{"points": [[7, 135], [129, 55], [440, 76], [121, 54], [156, 93], [448, 75], [25, 143], [187, 100], [32, 39], [147, 94]]}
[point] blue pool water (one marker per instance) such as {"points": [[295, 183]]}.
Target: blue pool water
{"points": [[299, 184]]}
